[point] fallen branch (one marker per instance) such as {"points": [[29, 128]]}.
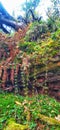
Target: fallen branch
{"points": [[11, 23], [49, 120]]}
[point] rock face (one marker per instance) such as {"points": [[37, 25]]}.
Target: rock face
{"points": [[29, 74], [54, 88]]}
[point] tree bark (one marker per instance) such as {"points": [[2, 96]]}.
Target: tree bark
{"points": [[11, 23]]}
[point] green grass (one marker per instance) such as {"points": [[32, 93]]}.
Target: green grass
{"points": [[25, 110]]}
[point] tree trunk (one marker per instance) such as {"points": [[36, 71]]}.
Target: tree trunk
{"points": [[11, 23]]}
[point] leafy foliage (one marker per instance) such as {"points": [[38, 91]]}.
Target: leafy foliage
{"points": [[36, 31], [31, 4], [56, 12], [24, 110]]}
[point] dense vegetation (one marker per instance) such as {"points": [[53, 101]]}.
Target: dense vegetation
{"points": [[30, 73], [39, 62]]}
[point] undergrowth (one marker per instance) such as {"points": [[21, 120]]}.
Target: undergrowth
{"points": [[27, 110]]}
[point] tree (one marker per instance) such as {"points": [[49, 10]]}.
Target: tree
{"points": [[31, 4], [7, 21], [29, 8], [54, 11], [53, 14], [56, 8]]}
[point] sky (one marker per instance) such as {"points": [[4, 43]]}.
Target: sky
{"points": [[15, 5]]}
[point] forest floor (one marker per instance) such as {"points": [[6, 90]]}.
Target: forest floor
{"points": [[39, 112]]}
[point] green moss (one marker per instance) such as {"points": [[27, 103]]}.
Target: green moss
{"points": [[49, 120], [12, 125]]}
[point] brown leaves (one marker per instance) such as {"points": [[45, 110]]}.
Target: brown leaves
{"points": [[26, 109], [40, 126], [18, 103]]}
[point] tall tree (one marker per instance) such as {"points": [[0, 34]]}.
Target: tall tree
{"points": [[54, 15], [54, 11], [29, 7], [30, 4]]}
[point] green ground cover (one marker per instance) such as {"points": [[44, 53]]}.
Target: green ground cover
{"points": [[37, 111]]}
